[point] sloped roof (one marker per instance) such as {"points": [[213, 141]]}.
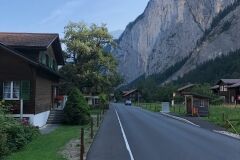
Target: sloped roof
{"points": [[234, 85], [196, 95], [215, 87], [129, 92], [27, 39], [229, 81], [185, 87], [33, 40], [27, 60]]}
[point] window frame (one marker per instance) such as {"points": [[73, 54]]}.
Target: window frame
{"points": [[11, 90], [43, 57]]}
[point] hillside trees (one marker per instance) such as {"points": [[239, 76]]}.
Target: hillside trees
{"points": [[89, 66]]}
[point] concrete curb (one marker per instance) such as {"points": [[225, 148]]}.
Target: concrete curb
{"points": [[179, 119], [229, 134]]}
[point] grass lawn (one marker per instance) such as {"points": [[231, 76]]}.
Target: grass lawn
{"points": [[157, 107], [178, 109], [230, 113], [154, 107], [46, 147]]}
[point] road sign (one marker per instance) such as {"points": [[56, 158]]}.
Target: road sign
{"points": [[165, 107]]}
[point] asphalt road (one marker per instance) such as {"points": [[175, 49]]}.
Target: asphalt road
{"points": [[151, 136]]}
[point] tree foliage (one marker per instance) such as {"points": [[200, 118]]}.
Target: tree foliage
{"points": [[89, 66], [77, 109], [227, 66]]}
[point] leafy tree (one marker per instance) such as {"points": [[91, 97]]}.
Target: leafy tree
{"points": [[89, 66], [77, 109]]}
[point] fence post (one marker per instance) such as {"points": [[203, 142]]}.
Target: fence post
{"points": [[223, 117], [98, 120], [91, 127], [179, 110], [82, 144]]}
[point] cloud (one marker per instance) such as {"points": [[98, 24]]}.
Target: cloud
{"points": [[63, 12]]}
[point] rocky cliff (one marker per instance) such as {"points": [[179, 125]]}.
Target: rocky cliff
{"points": [[166, 33]]}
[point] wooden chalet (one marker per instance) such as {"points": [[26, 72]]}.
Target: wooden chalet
{"points": [[186, 88], [29, 71], [92, 101], [133, 95], [229, 89], [196, 104]]}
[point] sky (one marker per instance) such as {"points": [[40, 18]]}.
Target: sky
{"points": [[50, 16]]}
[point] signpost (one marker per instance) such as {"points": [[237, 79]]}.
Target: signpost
{"points": [[165, 107]]}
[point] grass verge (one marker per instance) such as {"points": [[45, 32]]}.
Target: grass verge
{"points": [[219, 114], [47, 146]]}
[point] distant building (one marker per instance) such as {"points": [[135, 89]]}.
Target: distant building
{"points": [[186, 88], [229, 89], [92, 101], [196, 104], [133, 95]]}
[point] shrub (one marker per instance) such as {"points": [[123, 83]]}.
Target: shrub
{"points": [[77, 110], [14, 135], [103, 101]]}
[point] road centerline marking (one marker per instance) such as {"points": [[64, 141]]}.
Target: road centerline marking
{"points": [[124, 136]]}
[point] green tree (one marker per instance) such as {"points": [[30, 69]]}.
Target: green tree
{"points": [[77, 109], [89, 66]]}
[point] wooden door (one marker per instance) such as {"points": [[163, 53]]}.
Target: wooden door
{"points": [[189, 105]]}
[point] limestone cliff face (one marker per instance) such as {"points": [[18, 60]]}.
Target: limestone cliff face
{"points": [[164, 34], [222, 40]]}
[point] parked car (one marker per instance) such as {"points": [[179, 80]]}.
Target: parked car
{"points": [[128, 102]]}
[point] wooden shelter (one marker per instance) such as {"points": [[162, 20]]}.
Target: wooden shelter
{"points": [[196, 105]]}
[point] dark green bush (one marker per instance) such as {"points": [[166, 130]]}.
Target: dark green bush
{"points": [[103, 101], [3, 143], [13, 134], [217, 101], [77, 110]]}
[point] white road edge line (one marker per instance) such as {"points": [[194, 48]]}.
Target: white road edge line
{"points": [[180, 119], [229, 134], [124, 136]]}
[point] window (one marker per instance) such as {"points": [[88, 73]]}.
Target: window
{"points": [[43, 57], [51, 63], [55, 65], [233, 99], [202, 103], [47, 60], [11, 90], [223, 88]]}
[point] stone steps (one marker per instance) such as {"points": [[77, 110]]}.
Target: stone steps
{"points": [[55, 117]]}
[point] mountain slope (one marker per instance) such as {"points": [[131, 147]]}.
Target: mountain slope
{"points": [[221, 40], [166, 33]]}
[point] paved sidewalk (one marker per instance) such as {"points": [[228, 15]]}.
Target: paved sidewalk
{"points": [[48, 128], [202, 123]]}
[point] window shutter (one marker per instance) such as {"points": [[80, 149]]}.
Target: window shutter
{"points": [[1, 90], [25, 90]]}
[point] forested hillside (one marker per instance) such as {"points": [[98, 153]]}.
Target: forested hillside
{"points": [[213, 70]]}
